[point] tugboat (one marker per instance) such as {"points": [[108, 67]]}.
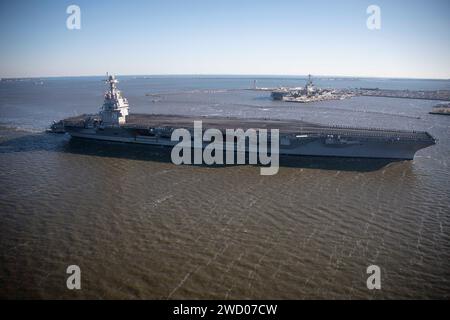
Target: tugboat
{"points": [[56, 127]]}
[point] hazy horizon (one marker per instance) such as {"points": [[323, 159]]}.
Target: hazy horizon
{"points": [[225, 76]]}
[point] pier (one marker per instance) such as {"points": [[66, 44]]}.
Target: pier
{"points": [[443, 95]]}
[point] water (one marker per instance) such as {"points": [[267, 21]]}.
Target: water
{"points": [[140, 227]]}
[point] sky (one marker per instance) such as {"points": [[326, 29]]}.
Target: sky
{"points": [[230, 37]]}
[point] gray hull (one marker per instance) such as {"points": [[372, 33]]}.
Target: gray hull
{"points": [[356, 147]]}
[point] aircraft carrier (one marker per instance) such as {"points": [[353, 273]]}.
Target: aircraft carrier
{"points": [[114, 123]]}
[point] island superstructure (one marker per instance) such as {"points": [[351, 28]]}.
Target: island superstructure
{"points": [[115, 107], [115, 123]]}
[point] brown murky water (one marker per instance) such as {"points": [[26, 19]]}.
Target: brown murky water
{"points": [[140, 227]]}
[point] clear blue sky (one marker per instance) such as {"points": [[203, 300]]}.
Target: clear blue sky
{"points": [[225, 37]]}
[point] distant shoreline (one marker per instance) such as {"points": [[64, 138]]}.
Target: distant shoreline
{"points": [[226, 76]]}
